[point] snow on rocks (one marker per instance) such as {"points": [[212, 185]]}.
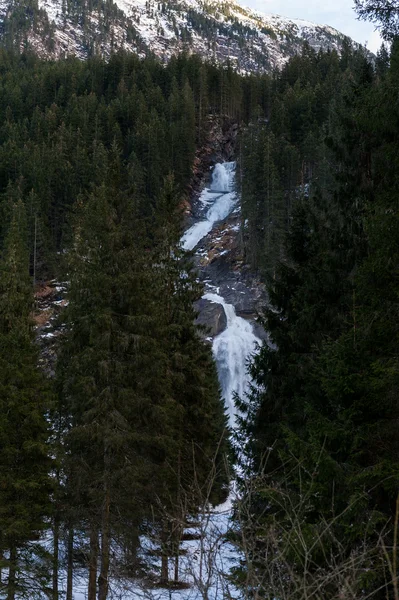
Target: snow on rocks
{"points": [[247, 39], [49, 302]]}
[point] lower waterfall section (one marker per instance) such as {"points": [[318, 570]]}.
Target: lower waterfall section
{"points": [[232, 349]]}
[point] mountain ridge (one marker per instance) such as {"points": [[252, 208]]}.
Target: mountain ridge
{"points": [[221, 30]]}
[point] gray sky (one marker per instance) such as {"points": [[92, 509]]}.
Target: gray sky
{"points": [[337, 13]]}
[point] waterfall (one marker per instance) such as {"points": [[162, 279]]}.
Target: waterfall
{"points": [[223, 177], [232, 348], [235, 345]]}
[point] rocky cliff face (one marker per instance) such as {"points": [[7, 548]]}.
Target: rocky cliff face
{"points": [[218, 29], [220, 262]]}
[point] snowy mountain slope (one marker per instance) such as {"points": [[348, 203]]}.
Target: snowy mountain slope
{"points": [[222, 30]]}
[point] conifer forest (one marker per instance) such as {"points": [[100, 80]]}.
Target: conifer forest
{"points": [[143, 454]]}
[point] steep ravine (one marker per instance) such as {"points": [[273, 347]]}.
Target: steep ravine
{"points": [[232, 297]]}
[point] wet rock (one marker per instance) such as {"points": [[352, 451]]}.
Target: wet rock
{"points": [[219, 146], [221, 267], [219, 259], [212, 316]]}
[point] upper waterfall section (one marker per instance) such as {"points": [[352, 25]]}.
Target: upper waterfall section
{"points": [[218, 201]]}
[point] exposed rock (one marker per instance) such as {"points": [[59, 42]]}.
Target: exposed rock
{"points": [[219, 258], [259, 331], [223, 268], [212, 316], [219, 146], [220, 30], [50, 301]]}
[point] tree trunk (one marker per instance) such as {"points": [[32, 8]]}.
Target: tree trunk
{"points": [[69, 590], [103, 583], [164, 556], [92, 591], [56, 536], [1, 560], [12, 573], [176, 577], [34, 253], [131, 551], [177, 527]]}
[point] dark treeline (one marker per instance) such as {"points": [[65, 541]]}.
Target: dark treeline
{"points": [[292, 151], [60, 120], [130, 437], [319, 199]]}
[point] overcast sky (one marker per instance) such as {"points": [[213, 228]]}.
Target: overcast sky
{"points": [[337, 13]]}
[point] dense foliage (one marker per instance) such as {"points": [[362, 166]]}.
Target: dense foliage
{"points": [[96, 162], [320, 202], [59, 121]]}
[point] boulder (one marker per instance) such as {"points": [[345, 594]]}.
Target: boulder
{"points": [[211, 315]]}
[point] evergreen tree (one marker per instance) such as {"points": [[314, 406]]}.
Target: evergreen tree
{"points": [[139, 386], [109, 370], [383, 12], [201, 426], [24, 396], [310, 420]]}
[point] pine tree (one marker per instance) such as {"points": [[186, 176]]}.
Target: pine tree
{"points": [[24, 397], [309, 415], [107, 359], [195, 469], [382, 12], [131, 330]]}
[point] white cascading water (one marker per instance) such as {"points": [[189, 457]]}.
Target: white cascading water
{"points": [[232, 348], [235, 345], [223, 177], [220, 198]]}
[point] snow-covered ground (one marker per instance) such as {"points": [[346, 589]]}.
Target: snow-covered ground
{"points": [[204, 564]]}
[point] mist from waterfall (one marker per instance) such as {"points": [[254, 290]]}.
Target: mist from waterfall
{"points": [[223, 177]]}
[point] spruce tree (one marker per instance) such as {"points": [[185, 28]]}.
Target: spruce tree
{"points": [[200, 393], [195, 469], [106, 360], [307, 416], [127, 367], [24, 398]]}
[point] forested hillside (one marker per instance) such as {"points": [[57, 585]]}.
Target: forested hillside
{"points": [[130, 437], [319, 198], [106, 462]]}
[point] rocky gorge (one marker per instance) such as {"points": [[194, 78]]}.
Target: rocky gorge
{"points": [[232, 294], [219, 256], [231, 290]]}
